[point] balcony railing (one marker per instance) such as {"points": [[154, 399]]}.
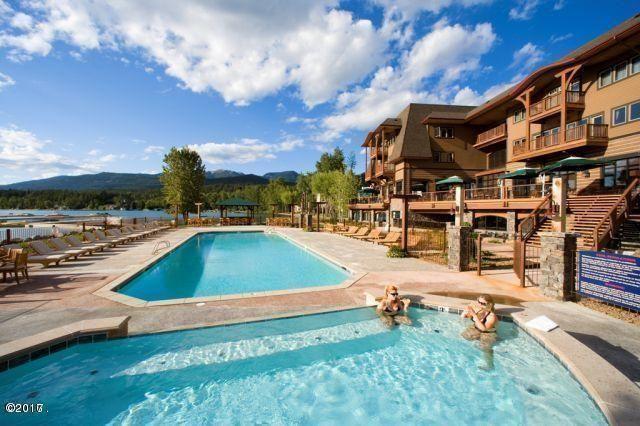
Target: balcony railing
{"points": [[438, 196], [506, 192], [383, 168], [583, 132], [378, 151], [551, 103], [374, 199], [533, 190], [492, 193], [496, 133]]}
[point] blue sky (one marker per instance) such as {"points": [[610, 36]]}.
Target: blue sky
{"points": [[90, 86]]}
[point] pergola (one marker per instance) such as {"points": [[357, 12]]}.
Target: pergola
{"points": [[224, 205]]}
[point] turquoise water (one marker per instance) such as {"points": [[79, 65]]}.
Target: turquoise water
{"points": [[231, 263], [338, 368]]}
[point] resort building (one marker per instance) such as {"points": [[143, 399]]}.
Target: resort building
{"points": [[586, 104]]}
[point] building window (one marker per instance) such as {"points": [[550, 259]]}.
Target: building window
{"points": [[443, 157], [519, 115], [605, 78], [596, 119], [620, 71], [399, 187], [619, 115], [621, 172], [491, 223], [634, 111], [575, 85], [497, 159], [635, 65], [444, 132]]}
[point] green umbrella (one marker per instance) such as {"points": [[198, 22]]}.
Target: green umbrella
{"points": [[524, 173], [571, 164], [451, 180], [368, 191]]}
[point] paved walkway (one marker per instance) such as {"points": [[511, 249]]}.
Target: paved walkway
{"points": [[60, 295]]}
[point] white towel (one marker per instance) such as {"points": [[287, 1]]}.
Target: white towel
{"points": [[542, 323]]}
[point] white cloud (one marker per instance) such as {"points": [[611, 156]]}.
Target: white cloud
{"points": [[527, 57], [558, 38], [468, 96], [244, 151], [304, 120], [442, 56], [154, 149], [24, 156], [243, 50], [524, 9], [5, 81], [94, 152], [410, 8]]}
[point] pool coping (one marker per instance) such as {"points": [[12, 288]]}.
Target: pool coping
{"points": [[109, 291]]}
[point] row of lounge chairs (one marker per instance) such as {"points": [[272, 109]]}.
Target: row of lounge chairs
{"points": [[365, 234], [55, 250]]}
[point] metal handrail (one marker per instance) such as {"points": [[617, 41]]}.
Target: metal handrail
{"points": [[157, 247], [533, 217], [625, 201]]}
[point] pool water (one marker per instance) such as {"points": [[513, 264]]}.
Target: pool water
{"points": [[233, 263], [337, 368]]}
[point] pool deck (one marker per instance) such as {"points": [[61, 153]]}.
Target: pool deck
{"points": [[603, 352]]}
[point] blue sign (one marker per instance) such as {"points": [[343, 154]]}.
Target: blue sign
{"points": [[611, 277]]}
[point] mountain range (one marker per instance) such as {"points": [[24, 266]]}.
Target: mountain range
{"points": [[136, 181]]}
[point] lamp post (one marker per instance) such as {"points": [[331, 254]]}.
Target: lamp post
{"points": [[198, 206]]}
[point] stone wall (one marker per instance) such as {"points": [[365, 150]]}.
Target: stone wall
{"points": [[458, 240], [557, 264]]}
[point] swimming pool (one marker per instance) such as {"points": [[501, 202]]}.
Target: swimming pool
{"points": [[224, 263], [337, 368]]}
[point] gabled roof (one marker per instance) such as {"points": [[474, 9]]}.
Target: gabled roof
{"points": [[413, 139]]}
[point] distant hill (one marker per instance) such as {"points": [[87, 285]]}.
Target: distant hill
{"points": [[287, 176], [137, 181]]}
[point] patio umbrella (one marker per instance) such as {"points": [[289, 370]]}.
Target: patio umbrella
{"points": [[451, 180], [524, 173], [368, 191], [571, 164]]}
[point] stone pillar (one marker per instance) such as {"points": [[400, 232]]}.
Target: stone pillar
{"points": [[458, 240], [559, 197], [467, 217], [405, 224], [557, 264], [512, 226]]}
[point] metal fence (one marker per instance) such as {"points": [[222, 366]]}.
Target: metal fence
{"points": [[427, 239], [15, 235]]}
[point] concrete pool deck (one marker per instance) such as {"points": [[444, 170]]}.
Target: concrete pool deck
{"points": [[55, 297]]}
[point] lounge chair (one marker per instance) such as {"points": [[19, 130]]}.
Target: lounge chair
{"points": [[75, 242], [350, 230], [65, 247], [118, 240], [375, 233], [128, 232], [46, 255], [115, 233], [361, 232], [15, 263], [93, 238], [391, 240]]}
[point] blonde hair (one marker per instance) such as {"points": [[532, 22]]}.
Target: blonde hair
{"points": [[388, 289], [491, 305]]}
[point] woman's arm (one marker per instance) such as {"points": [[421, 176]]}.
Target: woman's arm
{"points": [[488, 324]]}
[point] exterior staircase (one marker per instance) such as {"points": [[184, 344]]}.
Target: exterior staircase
{"points": [[586, 213]]}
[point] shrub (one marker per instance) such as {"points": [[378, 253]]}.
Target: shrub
{"points": [[396, 251]]}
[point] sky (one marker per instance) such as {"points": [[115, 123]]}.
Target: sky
{"points": [[254, 86]]}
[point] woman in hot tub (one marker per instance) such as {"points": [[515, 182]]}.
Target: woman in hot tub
{"points": [[392, 309]]}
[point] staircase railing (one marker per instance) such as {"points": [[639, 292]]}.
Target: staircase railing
{"points": [[603, 232], [529, 224]]}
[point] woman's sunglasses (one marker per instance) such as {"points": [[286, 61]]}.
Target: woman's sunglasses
{"points": [[482, 303], [393, 294]]}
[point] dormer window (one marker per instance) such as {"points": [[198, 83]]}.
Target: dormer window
{"points": [[444, 132]]}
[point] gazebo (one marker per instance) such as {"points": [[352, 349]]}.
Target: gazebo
{"points": [[238, 203]]}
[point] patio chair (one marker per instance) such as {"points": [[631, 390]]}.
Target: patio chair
{"points": [[104, 237], [15, 263], [375, 233], [350, 230], [46, 255], [75, 242], [361, 232], [65, 247], [391, 239], [93, 239]]}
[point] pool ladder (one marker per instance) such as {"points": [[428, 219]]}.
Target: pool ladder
{"points": [[269, 230], [160, 245]]}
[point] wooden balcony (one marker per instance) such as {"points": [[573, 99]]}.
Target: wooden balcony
{"points": [[436, 201], [584, 135], [506, 198], [369, 203], [383, 169], [491, 136], [378, 152], [552, 104]]}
